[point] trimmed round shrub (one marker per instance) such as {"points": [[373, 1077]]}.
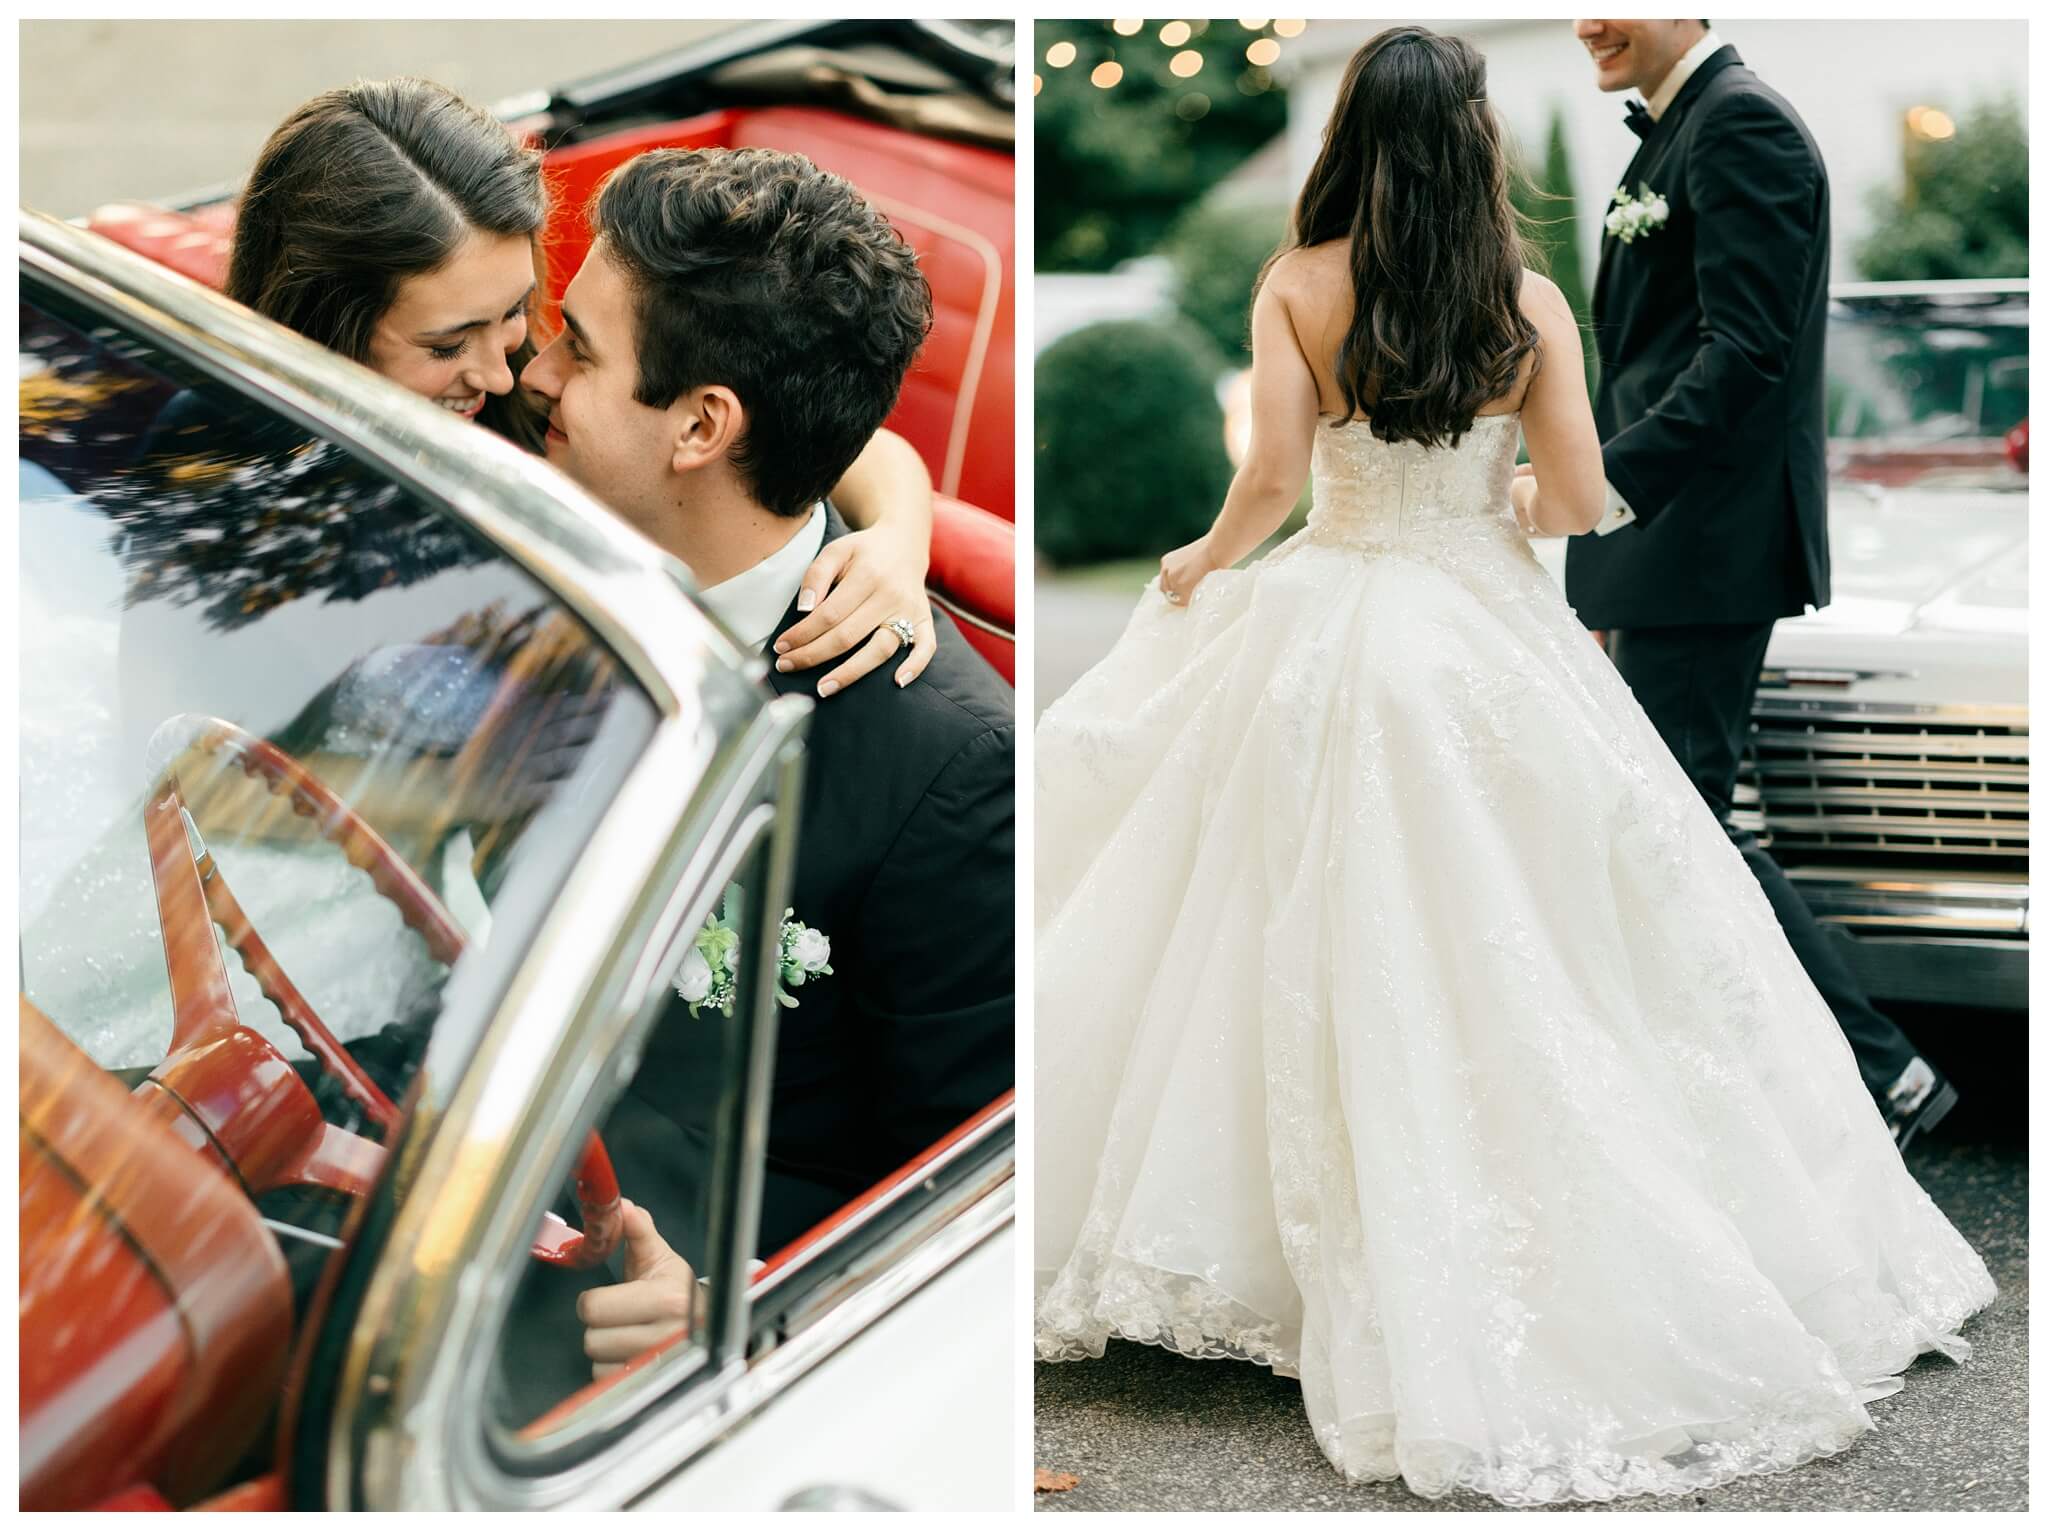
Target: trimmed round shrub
{"points": [[1128, 441], [1217, 253]]}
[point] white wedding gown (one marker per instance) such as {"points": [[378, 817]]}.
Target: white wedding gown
{"points": [[1407, 1024]]}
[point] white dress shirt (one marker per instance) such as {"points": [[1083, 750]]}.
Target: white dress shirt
{"points": [[753, 601], [1674, 79], [1618, 514]]}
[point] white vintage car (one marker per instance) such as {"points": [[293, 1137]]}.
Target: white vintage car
{"points": [[1888, 765], [374, 781]]}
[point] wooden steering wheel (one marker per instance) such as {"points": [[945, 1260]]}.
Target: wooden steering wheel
{"points": [[220, 1077]]}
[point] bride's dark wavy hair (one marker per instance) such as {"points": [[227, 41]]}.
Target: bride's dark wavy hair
{"points": [[1413, 174], [369, 184]]}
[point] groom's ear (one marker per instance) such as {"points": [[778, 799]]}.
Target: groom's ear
{"points": [[709, 422]]}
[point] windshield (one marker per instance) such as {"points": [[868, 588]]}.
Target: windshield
{"points": [[1932, 383], [297, 749]]}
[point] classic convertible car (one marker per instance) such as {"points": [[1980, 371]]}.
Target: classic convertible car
{"points": [[374, 783], [1889, 742]]}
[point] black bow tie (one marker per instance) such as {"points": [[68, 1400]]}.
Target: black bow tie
{"points": [[1639, 119]]}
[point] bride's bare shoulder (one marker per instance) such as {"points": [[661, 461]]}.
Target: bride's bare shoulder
{"points": [[1308, 268], [1541, 297], [1313, 280]]}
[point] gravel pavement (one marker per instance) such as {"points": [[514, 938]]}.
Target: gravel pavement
{"points": [[1144, 1429]]}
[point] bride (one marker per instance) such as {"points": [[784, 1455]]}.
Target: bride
{"points": [[1406, 1022]]}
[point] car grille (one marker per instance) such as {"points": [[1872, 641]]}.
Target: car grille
{"points": [[1833, 782]]}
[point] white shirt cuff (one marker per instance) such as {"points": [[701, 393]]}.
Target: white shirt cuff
{"points": [[1618, 514]]}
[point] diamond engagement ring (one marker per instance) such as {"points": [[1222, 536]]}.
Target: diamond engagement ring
{"points": [[906, 633]]}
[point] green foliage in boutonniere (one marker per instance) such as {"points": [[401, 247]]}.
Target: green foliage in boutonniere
{"points": [[709, 976]]}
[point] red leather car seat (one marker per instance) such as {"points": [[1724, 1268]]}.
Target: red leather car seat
{"points": [[193, 244], [954, 204], [973, 575]]}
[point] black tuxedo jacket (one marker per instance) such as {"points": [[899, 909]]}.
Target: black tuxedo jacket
{"points": [[1710, 332], [906, 861]]}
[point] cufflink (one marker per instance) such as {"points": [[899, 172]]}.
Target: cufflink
{"points": [[1618, 514], [1615, 519]]}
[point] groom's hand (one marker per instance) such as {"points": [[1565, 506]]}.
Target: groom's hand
{"points": [[652, 1304]]}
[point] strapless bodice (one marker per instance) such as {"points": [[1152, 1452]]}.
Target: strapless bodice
{"points": [[1377, 493]]}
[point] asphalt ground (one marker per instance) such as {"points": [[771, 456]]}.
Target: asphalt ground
{"points": [[1144, 1429]]}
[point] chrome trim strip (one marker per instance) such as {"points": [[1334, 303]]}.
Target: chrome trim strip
{"points": [[1948, 287], [1003, 1121], [1997, 718], [307, 1235], [892, 1271], [684, 1427], [961, 614]]}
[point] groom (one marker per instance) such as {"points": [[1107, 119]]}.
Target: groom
{"points": [[738, 332], [1709, 312]]}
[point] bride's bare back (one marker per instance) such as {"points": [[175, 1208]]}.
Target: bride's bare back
{"points": [[1298, 323], [1320, 300]]}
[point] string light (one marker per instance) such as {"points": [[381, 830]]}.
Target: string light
{"points": [[1288, 28], [1174, 33], [1037, 83], [1930, 122], [1263, 51], [1059, 55], [1106, 74], [1192, 107], [1186, 64], [1253, 26], [1126, 28]]}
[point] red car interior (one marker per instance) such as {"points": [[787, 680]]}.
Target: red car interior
{"points": [[156, 1313], [952, 202]]}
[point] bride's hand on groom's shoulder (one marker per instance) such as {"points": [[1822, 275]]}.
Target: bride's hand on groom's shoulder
{"points": [[860, 581], [1183, 569]]}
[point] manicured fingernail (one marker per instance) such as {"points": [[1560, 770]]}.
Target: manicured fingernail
{"points": [[903, 680], [827, 687], [782, 645], [806, 599], [782, 664]]}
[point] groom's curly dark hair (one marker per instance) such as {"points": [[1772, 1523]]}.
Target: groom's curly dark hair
{"points": [[755, 270]]}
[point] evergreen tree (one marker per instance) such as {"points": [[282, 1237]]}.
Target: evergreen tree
{"points": [[1550, 226], [1961, 210]]}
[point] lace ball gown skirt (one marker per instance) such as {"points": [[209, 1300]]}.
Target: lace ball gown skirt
{"points": [[1406, 1023]]}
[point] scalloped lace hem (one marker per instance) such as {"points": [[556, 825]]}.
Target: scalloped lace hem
{"points": [[1124, 1299]]}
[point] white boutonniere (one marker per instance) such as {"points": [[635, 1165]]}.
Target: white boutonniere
{"points": [[709, 975], [1633, 216]]}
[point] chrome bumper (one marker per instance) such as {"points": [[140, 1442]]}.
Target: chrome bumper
{"points": [[1927, 939]]}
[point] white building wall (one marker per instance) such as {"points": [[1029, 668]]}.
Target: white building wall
{"points": [[1850, 81]]}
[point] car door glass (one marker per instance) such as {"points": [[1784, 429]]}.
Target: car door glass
{"points": [[675, 1137], [252, 660]]}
